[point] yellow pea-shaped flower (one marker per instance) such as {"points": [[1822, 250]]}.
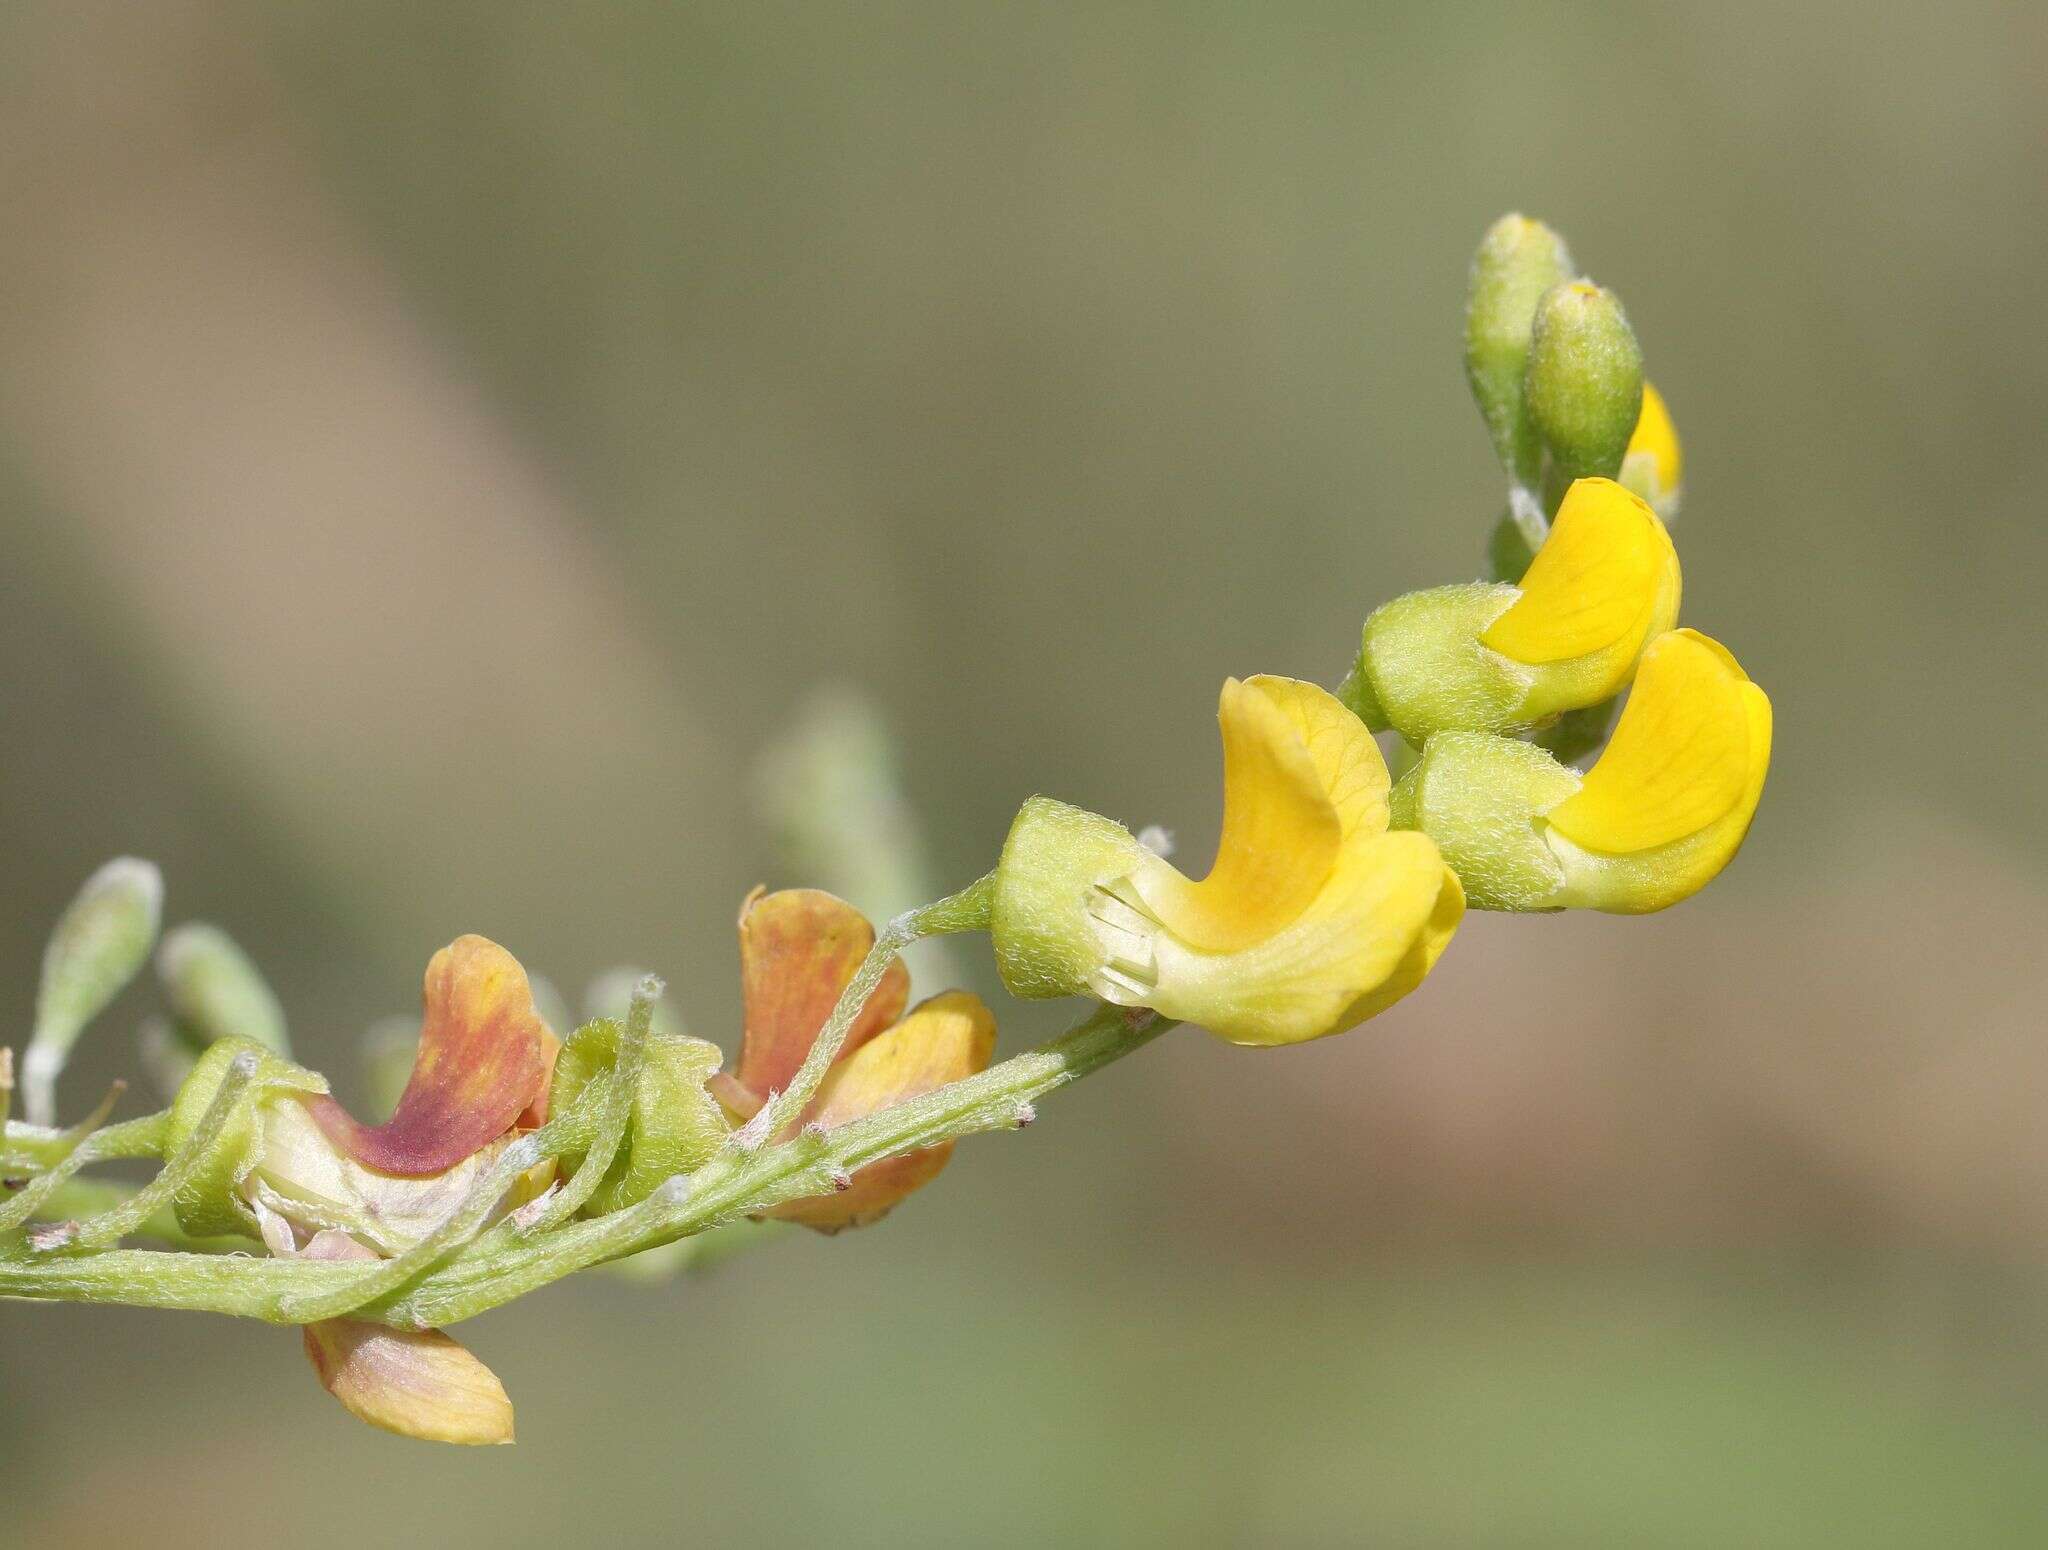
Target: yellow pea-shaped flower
{"points": [[1503, 659], [1654, 466], [1664, 809], [1313, 918]]}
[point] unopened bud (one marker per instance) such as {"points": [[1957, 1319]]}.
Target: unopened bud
{"points": [[1585, 380], [102, 939], [1518, 261], [216, 992]]}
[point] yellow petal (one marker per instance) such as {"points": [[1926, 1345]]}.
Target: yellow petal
{"points": [[416, 1382], [1679, 758], [1654, 464], [1281, 828], [1320, 974], [943, 1040], [1348, 762], [1593, 583], [1313, 918], [1422, 954], [1674, 794]]}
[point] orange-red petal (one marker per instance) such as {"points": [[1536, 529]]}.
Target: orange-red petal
{"points": [[798, 950], [482, 1062], [945, 1040]]}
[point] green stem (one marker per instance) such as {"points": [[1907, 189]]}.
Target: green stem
{"points": [[614, 1113], [743, 1184], [76, 1199], [35, 1149], [501, 1266]]}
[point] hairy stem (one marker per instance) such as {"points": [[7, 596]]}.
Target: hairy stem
{"points": [[501, 1265]]}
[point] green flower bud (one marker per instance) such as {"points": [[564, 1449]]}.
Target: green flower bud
{"points": [[389, 1049], [209, 1204], [101, 940], [1508, 552], [1585, 380], [675, 1124], [216, 992], [1476, 796], [1046, 941], [1517, 262], [549, 1002]]}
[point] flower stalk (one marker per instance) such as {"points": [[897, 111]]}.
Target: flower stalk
{"points": [[503, 1264]]}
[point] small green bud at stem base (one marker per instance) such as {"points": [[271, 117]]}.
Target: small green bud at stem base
{"points": [[99, 943]]}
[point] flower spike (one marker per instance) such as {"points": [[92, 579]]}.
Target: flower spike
{"points": [[513, 1159]]}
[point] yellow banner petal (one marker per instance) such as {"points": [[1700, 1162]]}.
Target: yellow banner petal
{"points": [[1593, 583], [1680, 758], [1347, 760], [1654, 449], [1281, 833]]}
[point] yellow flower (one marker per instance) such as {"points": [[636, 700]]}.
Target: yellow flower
{"points": [[1654, 465], [1653, 822], [1496, 658], [1669, 802], [798, 950], [1313, 918]]}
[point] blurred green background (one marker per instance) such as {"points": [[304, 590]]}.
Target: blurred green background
{"points": [[441, 446]]}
